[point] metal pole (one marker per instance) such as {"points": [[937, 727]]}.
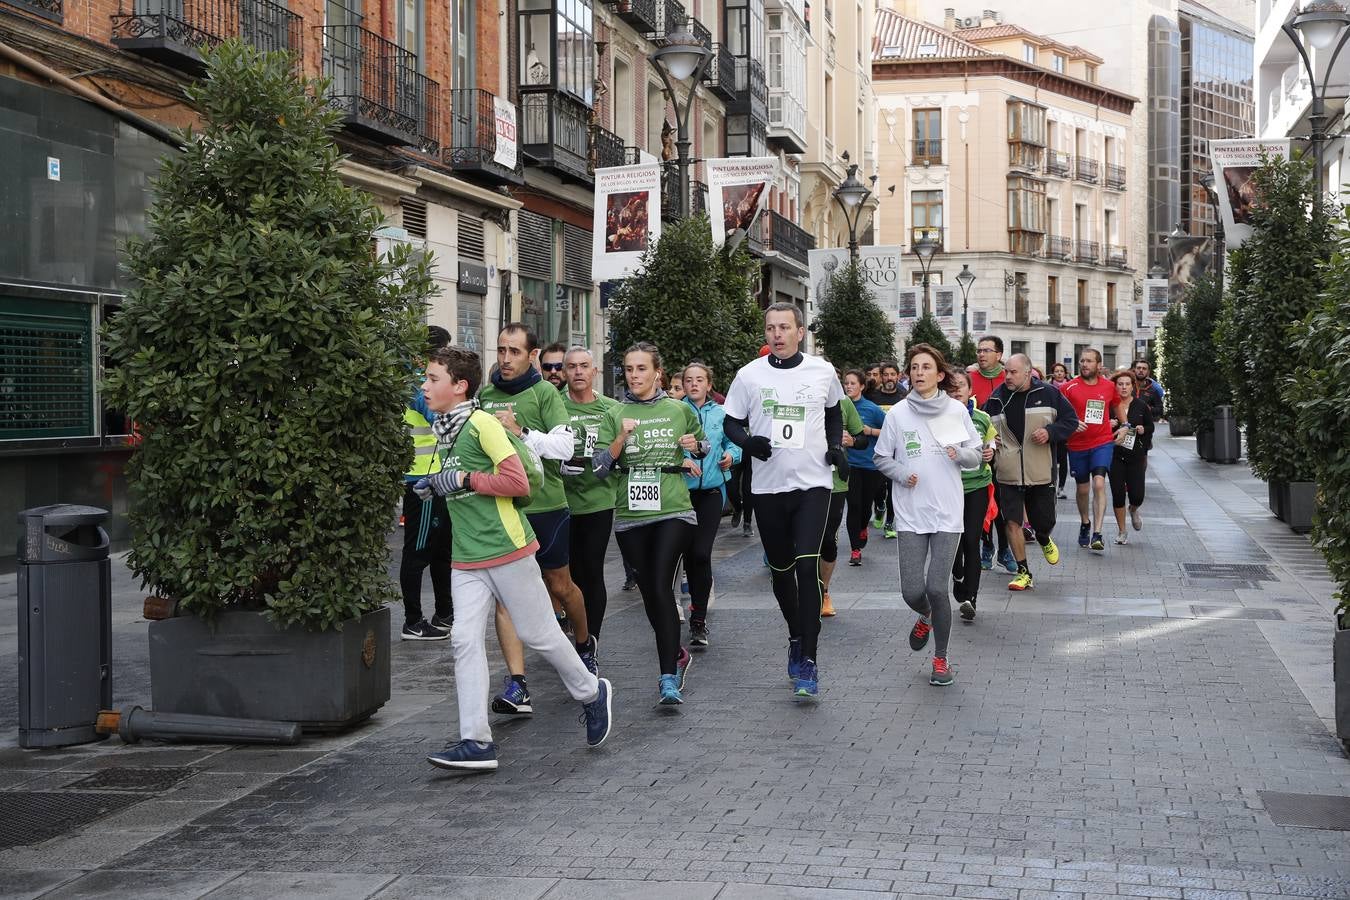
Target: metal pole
{"points": [[682, 125], [965, 313], [925, 291]]}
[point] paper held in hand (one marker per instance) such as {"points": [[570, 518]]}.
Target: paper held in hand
{"points": [[949, 429]]}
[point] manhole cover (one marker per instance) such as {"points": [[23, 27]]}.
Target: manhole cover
{"points": [[30, 817], [1324, 811], [1228, 570], [1234, 612], [122, 778]]}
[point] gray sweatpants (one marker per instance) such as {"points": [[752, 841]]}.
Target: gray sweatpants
{"points": [[925, 567], [521, 589]]}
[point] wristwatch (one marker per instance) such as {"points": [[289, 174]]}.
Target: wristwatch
{"points": [[467, 486]]}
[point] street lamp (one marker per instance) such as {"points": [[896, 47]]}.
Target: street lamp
{"points": [[924, 248], [965, 278], [851, 195], [1323, 24], [680, 57], [1208, 181]]}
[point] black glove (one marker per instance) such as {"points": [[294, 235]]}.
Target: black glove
{"points": [[758, 446], [835, 456]]}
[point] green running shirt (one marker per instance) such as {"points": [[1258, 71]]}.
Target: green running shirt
{"points": [[643, 491], [539, 408], [586, 493], [853, 424], [483, 528]]}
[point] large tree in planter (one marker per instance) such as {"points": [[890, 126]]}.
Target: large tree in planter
{"points": [[1171, 338], [265, 354], [851, 329], [1203, 382]]}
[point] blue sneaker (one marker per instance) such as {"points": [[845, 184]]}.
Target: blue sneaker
{"points": [[1084, 534], [670, 691], [986, 556], [807, 684], [474, 755], [682, 666], [1005, 559], [794, 657], [596, 715], [588, 656], [514, 698]]}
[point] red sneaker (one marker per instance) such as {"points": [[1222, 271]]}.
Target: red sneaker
{"points": [[942, 673], [855, 558], [918, 635]]}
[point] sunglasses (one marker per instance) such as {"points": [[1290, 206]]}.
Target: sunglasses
{"points": [[551, 367]]}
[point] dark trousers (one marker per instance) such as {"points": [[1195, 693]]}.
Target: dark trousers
{"points": [[1127, 479], [738, 490], [792, 528], [966, 566], [426, 544], [862, 489], [885, 503], [590, 540], [654, 550], [829, 545], [698, 559], [1062, 464]]}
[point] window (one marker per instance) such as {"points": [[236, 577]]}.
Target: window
{"points": [[462, 53], [1051, 356], [410, 28], [1112, 320], [829, 108], [927, 136], [1029, 53], [745, 28], [622, 95], [1109, 357], [1017, 347], [1052, 310], [1058, 63], [1084, 311], [557, 46], [1026, 123], [1026, 214], [656, 117], [48, 369], [1021, 300], [1091, 72], [1109, 228], [926, 215], [775, 57]]}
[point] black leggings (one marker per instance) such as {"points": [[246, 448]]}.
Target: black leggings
{"points": [[698, 559], [1127, 479], [590, 540], [966, 566], [1062, 463], [829, 547], [885, 501], [654, 550], [862, 488], [792, 528], [426, 545]]}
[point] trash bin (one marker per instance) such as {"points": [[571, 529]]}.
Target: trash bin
{"points": [[1227, 439], [65, 625]]}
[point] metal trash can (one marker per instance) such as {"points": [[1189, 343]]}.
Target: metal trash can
{"points": [[1227, 438], [65, 625]]}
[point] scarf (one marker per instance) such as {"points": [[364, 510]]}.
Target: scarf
{"points": [[629, 398], [447, 425], [931, 407], [991, 373], [513, 386]]}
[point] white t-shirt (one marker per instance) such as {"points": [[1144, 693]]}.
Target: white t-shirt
{"points": [[907, 446], [788, 407]]}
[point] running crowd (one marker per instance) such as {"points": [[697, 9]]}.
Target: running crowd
{"points": [[517, 485]]}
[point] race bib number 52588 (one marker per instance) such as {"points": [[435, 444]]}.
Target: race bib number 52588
{"points": [[789, 427], [644, 491]]}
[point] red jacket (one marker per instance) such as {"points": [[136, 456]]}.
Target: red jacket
{"points": [[981, 386]]}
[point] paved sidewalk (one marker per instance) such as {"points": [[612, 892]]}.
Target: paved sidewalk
{"points": [[1107, 736]]}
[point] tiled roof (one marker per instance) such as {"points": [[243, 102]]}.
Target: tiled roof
{"points": [[998, 32], [900, 38]]}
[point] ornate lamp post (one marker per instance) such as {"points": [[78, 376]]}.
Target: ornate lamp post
{"points": [[680, 57], [1322, 24], [851, 195], [965, 278], [924, 248]]}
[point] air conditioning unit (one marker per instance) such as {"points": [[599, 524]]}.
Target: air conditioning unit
{"points": [[969, 22]]}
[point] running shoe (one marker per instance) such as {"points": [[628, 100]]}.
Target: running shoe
{"points": [[472, 755], [514, 698], [1136, 519], [402, 521], [682, 662], [1084, 534], [670, 691], [878, 521], [588, 656], [1028, 533], [967, 608], [1005, 559], [794, 657], [748, 530], [596, 715], [890, 532], [826, 607], [736, 519], [855, 558], [422, 630], [1021, 582], [807, 684], [1051, 552], [445, 623], [1122, 539], [564, 624], [986, 556], [1062, 496], [698, 633], [918, 635], [942, 673], [1097, 542]]}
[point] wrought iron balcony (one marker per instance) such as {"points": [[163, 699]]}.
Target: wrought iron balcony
{"points": [[752, 91], [670, 16], [1052, 310], [606, 149], [1115, 177], [473, 138], [1112, 320], [554, 133], [932, 233], [926, 150], [173, 32], [1087, 251], [700, 197], [1057, 163], [720, 75], [641, 14], [1085, 169], [781, 235], [1116, 257], [1058, 247], [1084, 315], [375, 84], [47, 9], [702, 36]]}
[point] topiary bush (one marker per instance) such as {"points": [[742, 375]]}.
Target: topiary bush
{"points": [[1205, 384], [927, 331], [850, 328], [264, 353], [1172, 374]]}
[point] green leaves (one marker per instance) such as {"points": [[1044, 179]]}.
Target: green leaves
{"points": [[1196, 384], [927, 331], [851, 329]]}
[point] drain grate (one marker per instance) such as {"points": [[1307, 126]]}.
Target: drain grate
{"points": [[1206, 611], [123, 778], [1325, 811], [30, 817], [1222, 584], [1243, 571]]}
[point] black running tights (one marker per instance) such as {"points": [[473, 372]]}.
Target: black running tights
{"points": [[792, 528], [862, 489], [966, 566], [698, 560], [654, 550], [590, 541]]}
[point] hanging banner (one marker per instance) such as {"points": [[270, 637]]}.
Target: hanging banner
{"points": [[738, 189], [1188, 259], [881, 266], [1233, 162], [979, 322], [504, 116], [627, 219], [907, 309], [1156, 300], [947, 309]]}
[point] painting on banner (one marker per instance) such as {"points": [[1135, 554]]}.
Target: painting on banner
{"points": [[1234, 162], [1156, 301], [627, 219], [880, 265], [738, 189]]}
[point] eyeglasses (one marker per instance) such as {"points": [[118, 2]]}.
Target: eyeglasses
{"points": [[551, 367], [986, 350]]}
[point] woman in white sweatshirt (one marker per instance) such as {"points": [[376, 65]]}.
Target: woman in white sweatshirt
{"points": [[925, 443]]}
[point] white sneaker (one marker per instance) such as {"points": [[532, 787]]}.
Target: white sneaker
{"points": [[1122, 539], [1136, 519]]}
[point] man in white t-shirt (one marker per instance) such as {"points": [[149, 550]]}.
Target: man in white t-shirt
{"points": [[783, 409]]}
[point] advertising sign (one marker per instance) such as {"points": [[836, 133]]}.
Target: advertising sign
{"points": [[738, 188], [504, 116], [627, 218], [1234, 161]]}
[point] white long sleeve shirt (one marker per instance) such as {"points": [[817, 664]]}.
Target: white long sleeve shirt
{"points": [[907, 447]]}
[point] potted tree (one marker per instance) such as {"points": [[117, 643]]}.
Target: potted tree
{"points": [[1177, 402], [850, 328], [1204, 382], [264, 353]]}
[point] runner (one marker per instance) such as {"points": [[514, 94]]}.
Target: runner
{"points": [[707, 493], [676, 381], [975, 483], [924, 444], [886, 395], [1059, 376], [532, 409], [854, 438], [873, 377], [985, 377], [863, 479], [1029, 416], [494, 549], [1090, 447], [643, 440], [783, 409], [590, 501], [1149, 390], [551, 365], [1132, 430]]}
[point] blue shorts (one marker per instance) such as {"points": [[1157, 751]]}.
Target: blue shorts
{"points": [[554, 531], [1083, 464]]}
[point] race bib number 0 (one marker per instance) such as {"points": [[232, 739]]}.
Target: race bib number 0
{"points": [[644, 491], [789, 427], [1096, 412]]}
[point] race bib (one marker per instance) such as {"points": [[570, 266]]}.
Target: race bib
{"points": [[789, 427], [1096, 412], [1128, 440], [644, 491], [592, 434]]}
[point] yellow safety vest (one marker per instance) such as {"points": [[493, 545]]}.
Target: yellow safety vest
{"points": [[426, 461]]}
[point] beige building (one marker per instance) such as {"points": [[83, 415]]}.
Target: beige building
{"points": [[1003, 147]]}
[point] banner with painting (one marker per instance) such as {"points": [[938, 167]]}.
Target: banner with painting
{"points": [[1233, 162], [881, 267], [627, 219], [738, 189]]}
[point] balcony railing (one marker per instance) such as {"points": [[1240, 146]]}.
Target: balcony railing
{"points": [[752, 92], [1052, 310], [919, 232], [554, 133], [641, 14], [376, 85], [1112, 320], [174, 31], [606, 149], [1084, 315], [47, 9], [1085, 169], [720, 75], [473, 138], [1057, 163], [781, 235], [1116, 257], [1087, 251], [1021, 306], [670, 194], [1058, 247], [670, 17], [1115, 177], [927, 150]]}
